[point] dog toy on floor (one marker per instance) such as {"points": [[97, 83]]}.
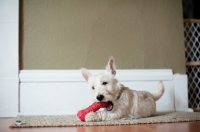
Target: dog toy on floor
{"points": [[92, 108]]}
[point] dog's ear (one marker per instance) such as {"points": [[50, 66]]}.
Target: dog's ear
{"points": [[86, 74], [111, 68]]}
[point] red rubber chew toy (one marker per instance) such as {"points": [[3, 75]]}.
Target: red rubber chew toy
{"points": [[92, 108]]}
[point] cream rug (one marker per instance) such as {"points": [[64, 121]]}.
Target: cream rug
{"points": [[72, 120]]}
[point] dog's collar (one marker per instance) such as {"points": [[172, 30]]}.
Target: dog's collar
{"points": [[119, 94]]}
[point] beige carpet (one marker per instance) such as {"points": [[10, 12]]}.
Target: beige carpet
{"points": [[71, 120]]}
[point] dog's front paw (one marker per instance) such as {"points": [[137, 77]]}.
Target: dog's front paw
{"points": [[92, 116]]}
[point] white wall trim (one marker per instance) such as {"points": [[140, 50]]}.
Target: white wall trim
{"points": [[9, 81], [68, 92], [181, 92], [75, 75]]}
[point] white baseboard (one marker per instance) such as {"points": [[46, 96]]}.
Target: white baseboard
{"points": [[66, 92], [40, 76]]}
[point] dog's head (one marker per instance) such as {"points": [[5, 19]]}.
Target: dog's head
{"points": [[104, 86]]}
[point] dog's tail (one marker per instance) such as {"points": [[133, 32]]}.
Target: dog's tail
{"points": [[159, 92]]}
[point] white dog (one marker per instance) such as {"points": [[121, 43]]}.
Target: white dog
{"points": [[122, 101]]}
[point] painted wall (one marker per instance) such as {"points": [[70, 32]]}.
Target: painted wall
{"points": [[70, 34]]}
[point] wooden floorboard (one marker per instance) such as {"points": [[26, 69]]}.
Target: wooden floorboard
{"points": [[163, 127]]}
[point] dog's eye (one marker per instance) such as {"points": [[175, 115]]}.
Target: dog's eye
{"points": [[93, 88], [104, 83]]}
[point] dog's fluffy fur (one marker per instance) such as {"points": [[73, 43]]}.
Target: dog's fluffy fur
{"points": [[125, 103]]}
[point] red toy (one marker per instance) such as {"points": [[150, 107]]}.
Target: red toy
{"points": [[92, 108]]}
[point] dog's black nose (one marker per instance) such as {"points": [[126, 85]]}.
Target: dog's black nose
{"points": [[100, 97]]}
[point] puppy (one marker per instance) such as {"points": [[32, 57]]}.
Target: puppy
{"points": [[122, 101]]}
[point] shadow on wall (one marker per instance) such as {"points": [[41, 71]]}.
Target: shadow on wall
{"points": [[21, 33]]}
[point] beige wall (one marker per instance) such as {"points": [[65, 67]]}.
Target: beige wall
{"points": [[70, 34]]}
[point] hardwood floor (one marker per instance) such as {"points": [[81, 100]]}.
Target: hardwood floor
{"points": [[163, 127]]}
